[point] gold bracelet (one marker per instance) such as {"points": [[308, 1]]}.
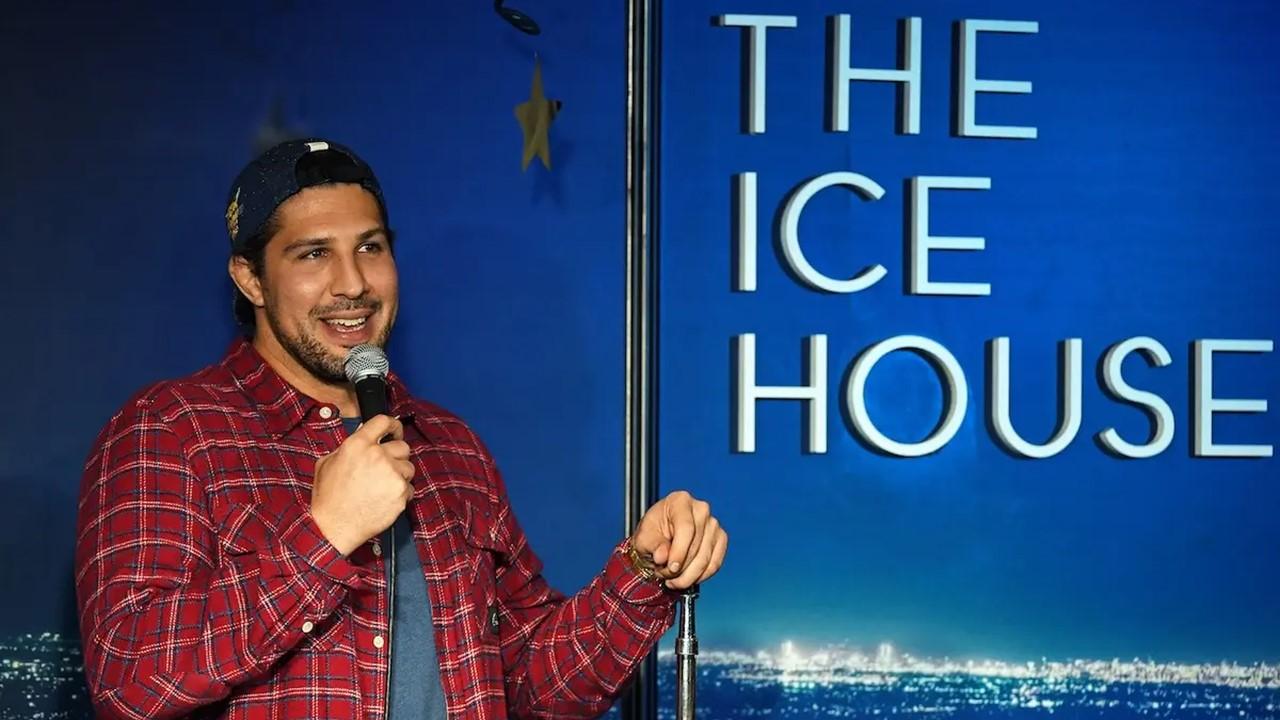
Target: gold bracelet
{"points": [[644, 567]]}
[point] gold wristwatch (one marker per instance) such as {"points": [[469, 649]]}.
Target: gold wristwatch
{"points": [[643, 566]]}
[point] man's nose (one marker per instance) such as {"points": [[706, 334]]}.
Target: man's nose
{"points": [[349, 280]]}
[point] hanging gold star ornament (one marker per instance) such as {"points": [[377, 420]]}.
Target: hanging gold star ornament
{"points": [[535, 116]]}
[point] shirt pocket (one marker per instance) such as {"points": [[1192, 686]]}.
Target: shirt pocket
{"points": [[484, 552], [241, 529], [485, 556], [243, 537]]}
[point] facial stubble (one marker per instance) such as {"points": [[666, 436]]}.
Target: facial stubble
{"points": [[307, 350]]}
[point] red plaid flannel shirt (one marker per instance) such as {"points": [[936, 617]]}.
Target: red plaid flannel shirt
{"points": [[206, 588]]}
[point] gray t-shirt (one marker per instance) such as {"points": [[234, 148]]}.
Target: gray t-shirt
{"points": [[415, 670]]}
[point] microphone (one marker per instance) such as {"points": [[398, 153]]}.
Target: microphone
{"points": [[366, 367]]}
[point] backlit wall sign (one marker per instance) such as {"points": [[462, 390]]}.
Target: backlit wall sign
{"points": [[922, 240]]}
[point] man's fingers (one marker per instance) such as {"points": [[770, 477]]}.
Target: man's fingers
{"points": [[405, 468], [680, 536], [685, 529], [379, 427], [699, 535], [396, 449], [660, 555], [699, 560], [717, 555], [701, 516]]}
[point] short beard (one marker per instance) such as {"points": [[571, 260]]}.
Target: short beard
{"points": [[310, 353]]}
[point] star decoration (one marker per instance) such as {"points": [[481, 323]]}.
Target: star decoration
{"points": [[535, 116]]}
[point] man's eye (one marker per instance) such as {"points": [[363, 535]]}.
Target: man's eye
{"points": [[312, 254], [371, 247]]}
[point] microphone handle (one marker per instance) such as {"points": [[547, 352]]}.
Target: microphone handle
{"points": [[371, 394]]}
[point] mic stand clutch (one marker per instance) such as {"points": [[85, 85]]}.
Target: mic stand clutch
{"points": [[686, 658]]}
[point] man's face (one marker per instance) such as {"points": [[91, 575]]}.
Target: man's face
{"points": [[329, 282]]}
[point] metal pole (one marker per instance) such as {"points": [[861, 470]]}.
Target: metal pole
{"points": [[640, 443], [687, 658]]}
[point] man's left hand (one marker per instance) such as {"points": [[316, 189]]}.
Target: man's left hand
{"points": [[682, 538]]}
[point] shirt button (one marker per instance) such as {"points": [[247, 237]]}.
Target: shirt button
{"points": [[378, 642], [308, 626], [326, 412], [377, 550]]}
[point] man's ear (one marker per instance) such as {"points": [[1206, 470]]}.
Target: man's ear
{"points": [[242, 274]]}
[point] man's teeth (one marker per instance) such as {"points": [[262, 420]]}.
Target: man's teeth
{"points": [[347, 323]]}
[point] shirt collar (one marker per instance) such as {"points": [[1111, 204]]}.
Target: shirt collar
{"points": [[282, 406]]}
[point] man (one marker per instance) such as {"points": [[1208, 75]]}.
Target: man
{"points": [[244, 550]]}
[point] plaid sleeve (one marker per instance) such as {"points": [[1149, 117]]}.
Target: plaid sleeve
{"points": [[571, 657], [170, 617]]}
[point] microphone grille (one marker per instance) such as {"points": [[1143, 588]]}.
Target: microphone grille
{"points": [[365, 361]]}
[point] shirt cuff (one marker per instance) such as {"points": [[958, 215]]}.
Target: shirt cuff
{"points": [[304, 538], [626, 583]]}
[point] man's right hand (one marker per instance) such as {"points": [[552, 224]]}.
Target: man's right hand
{"points": [[362, 487]]}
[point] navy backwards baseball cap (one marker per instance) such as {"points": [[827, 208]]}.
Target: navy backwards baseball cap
{"points": [[281, 172]]}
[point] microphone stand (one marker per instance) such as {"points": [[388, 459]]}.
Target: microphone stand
{"points": [[686, 657]]}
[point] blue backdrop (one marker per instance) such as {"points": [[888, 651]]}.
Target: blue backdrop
{"points": [[121, 129], [968, 582], [1145, 206]]}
